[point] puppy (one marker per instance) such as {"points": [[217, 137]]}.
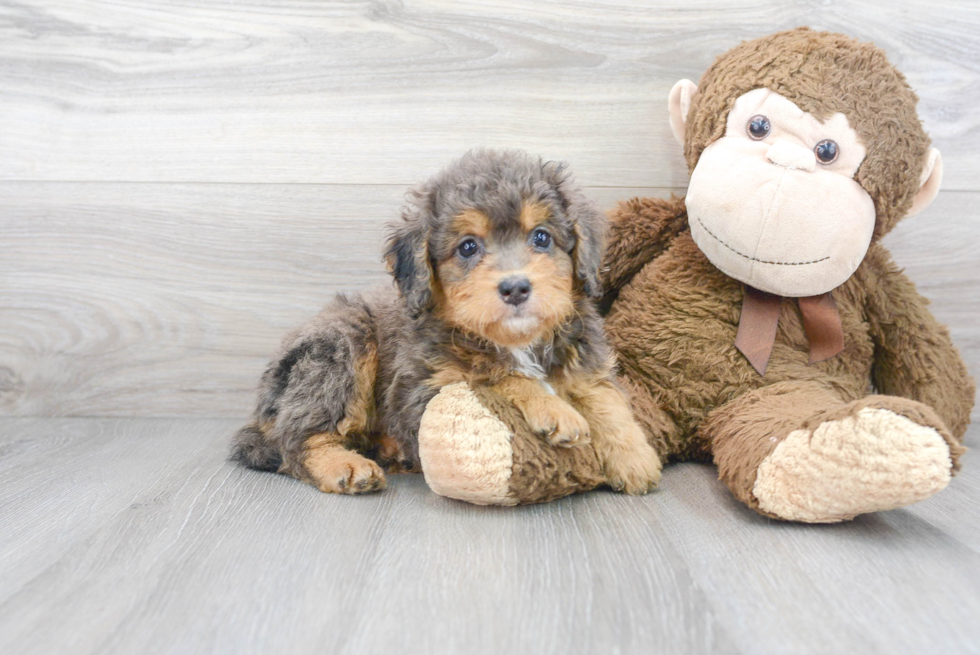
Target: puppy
{"points": [[496, 264]]}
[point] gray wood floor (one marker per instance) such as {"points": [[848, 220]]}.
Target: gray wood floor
{"points": [[182, 182], [136, 536]]}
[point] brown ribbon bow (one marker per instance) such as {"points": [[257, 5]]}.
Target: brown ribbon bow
{"points": [[760, 315]]}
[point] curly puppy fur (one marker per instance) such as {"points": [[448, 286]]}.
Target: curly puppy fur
{"points": [[496, 263]]}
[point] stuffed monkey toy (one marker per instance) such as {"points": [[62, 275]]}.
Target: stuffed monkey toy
{"points": [[759, 322]]}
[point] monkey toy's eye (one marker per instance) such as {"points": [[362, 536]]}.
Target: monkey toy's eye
{"points": [[467, 248], [758, 127], [826, 151], [541, 239]]}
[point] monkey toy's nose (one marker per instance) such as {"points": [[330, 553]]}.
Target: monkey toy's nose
{"points": [[514, 290], [790, 155]]}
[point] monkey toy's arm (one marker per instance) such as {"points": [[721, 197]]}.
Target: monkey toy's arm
{"points": [[914, 356], [639, 230]]}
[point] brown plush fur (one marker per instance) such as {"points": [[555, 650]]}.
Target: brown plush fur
{"points": [[672, 316], [674, 323], [541, 472]]}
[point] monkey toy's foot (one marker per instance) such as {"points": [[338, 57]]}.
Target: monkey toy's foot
{"points": [[875, 454], [475, 446]]}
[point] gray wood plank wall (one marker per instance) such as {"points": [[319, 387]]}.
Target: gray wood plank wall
{"points": [[180, 183], [183, 182]]}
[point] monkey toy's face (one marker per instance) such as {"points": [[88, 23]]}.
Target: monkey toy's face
{"points": [[774, 204]]}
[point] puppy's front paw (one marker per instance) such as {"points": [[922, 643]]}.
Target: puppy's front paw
{"points": [[342, 471], [630, 463], [556, 421]]}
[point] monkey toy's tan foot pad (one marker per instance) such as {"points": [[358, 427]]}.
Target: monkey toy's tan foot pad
{"points": [[875, 459], [475, 446]]}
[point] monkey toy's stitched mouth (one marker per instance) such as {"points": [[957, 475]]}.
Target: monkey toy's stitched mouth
{"points": [[756, 259]]}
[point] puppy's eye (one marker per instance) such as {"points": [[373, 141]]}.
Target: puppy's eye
{"points": [[827, 151], [467, 248], [758, 127], [540, 239]]}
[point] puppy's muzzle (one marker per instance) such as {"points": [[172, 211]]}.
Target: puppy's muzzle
{"points": [[514, 290]]}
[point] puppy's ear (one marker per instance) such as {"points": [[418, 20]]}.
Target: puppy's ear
{"points": [[407, 257], [590, 243], [589, 226]]}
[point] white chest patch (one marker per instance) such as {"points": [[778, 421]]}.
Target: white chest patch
{"points": [[527, 364]]}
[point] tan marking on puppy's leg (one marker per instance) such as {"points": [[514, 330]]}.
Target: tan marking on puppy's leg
{"points": [[389, 448], [332, 468], [445, 375], [629, 462], [546, 414], [391, 455], [360, 412]]}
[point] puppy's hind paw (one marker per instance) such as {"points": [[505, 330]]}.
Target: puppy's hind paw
{"points": [[343, 471]]}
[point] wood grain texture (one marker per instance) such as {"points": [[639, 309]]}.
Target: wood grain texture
{"points": [[382, 92], [183, 182], [168, 299], [136, 536]]}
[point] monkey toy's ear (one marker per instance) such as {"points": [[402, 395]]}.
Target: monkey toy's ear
{"points": [[679, 104], [930, 181]]}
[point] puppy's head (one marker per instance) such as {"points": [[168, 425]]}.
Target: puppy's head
{"points": [[500, 244]]}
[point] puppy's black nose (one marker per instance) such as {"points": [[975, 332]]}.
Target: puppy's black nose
{"points": [[514, 290]]}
